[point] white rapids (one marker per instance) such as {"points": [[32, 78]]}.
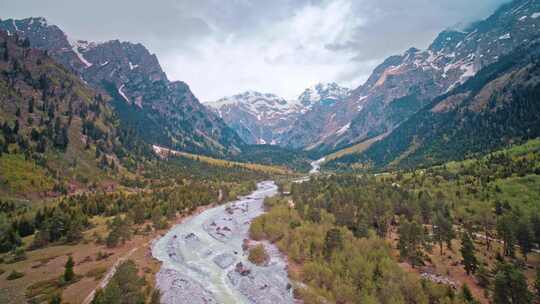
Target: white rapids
{"points": [[316, 166], [203, 260]]}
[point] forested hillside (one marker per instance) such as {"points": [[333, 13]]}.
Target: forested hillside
{"points": [[474, 223], [56, 133], [156, 110], [94, 225]]}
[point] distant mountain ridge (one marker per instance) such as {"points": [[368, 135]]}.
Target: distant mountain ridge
{"points": [[264, 118], [162, 112]]}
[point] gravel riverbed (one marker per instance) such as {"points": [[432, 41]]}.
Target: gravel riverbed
{"points": [[203, 260]]}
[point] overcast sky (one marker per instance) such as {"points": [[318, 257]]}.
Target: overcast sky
{"points": [[224, 47]]}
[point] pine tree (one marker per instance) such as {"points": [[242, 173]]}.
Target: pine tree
{"points": [[31, 105], [16, 127], [69, 274], [524, 238], [510, 285], [467, 251], [467, 295], [56, 299], [443, 231], [505, 230], [138, 213], [6, 51], [411, 238], [332, 241]]}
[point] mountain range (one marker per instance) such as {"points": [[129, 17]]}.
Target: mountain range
{"points": [[324, 118], [397, 89], [263, 118], [479, 93], [495, 108], [160, 111]]}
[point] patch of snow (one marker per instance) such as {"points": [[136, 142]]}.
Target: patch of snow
{"points": [[75, 45], [505, 36], [522, 18], [262, 141], [105, 63], [471, 34], [343, 129], [535, 15], [362, 98], [321, 91], [121, 92], [15, 25], [517, 9], [469, 70], [133, 66]]}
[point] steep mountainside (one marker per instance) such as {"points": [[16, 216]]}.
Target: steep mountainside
{"points": [[162, 112], [497, 107], [403, 84], [268, 119], [56, 132]]}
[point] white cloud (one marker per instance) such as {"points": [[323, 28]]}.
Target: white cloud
{"points": [[281, 46], [283, 57]]}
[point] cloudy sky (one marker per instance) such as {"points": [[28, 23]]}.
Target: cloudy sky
{"points": [[223, 47]]}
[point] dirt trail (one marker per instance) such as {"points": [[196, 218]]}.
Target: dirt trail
{"points": [[108, 276]]}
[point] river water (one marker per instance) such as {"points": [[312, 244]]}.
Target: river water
{"points": [[316, 166], [203, 260]]}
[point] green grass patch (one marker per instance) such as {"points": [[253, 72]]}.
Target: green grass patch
{"points": [[520, 191], [14, 275], [18, 175]]}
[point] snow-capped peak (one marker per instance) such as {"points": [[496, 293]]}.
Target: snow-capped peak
{"points": [[252, 99], [323, 92]]}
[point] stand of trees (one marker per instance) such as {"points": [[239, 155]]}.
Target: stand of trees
{"points": [[433, 207], [337, 266], [127, 287]]}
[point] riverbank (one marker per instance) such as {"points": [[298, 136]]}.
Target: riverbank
{"points": [[204, 260]]}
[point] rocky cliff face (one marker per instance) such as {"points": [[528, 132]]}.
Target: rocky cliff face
{"points": [[162, 112]]}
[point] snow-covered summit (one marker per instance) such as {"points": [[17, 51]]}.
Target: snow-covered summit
{"points": [[324, 93], [251, 98]]}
